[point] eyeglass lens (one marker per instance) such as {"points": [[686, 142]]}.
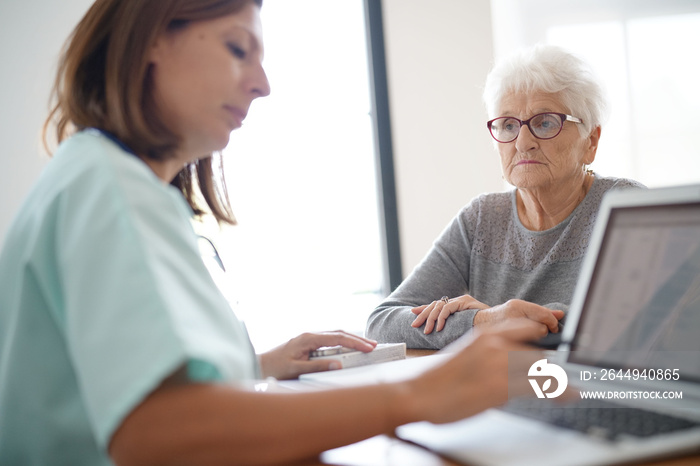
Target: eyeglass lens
{"points": [[542, 126]]}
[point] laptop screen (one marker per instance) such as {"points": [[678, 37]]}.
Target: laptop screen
{"points": [[644, 293]]}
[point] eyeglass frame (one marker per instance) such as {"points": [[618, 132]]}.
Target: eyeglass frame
{"points": [[564, 118]]}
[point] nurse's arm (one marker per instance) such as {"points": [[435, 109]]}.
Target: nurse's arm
{"points": [[221, 424]]}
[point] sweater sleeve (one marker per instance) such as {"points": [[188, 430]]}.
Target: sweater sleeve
{"points": [[443, 272]]}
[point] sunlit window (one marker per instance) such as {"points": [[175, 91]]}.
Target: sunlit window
{"points": [[646, 55], [301, 176]]}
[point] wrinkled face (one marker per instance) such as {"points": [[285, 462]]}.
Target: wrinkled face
{"points": [[531, 163], [205, 77]]}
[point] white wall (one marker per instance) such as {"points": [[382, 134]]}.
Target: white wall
{"points": [[438, 55], [31, 35]]}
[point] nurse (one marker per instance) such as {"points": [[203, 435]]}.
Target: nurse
{"points": [[115, 344]]}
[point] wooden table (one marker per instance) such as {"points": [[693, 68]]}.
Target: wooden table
{"points": [[386, 450]]}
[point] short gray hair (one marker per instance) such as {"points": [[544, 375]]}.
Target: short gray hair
{"points": [[549, 69]]}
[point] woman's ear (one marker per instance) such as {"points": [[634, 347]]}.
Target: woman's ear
{"points": [[593, 140]]}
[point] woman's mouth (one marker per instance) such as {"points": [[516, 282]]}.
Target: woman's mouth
{"points": [[236, 114]]}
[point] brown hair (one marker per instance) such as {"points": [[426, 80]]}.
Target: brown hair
{"points": [[104, 81]]}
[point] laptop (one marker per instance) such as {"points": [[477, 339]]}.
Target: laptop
{"points": [[631, 342]]}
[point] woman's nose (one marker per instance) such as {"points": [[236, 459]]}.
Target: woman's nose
{"points": [[260, 86], [525, 141]]}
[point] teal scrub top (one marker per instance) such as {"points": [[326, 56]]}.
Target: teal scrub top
{"points": [[103, 294]]}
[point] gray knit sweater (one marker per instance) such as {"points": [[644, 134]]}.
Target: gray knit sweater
{"points": [[486, 252]]}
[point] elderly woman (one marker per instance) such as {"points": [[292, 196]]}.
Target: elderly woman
{"points": [[517, 253]]}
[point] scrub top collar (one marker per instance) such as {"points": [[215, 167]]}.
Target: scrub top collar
{"points": [[116, 140]]}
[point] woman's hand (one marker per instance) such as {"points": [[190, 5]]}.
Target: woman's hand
{"points": [[291, 359], [439, 311], [489, 365], [515, 308]]}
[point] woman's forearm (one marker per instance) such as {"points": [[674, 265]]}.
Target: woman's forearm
{"points": [[214, 424], [393, 325], [206, 424]]}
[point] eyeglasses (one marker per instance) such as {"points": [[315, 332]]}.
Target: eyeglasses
{"points": [[542, 126]]}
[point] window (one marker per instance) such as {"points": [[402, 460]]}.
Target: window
{"points": [[306, 255], [645, 53]]}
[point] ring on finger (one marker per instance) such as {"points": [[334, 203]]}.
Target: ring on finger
{"points": [[445, 299]]}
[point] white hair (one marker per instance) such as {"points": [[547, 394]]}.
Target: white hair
{"points": [[552, 70]]}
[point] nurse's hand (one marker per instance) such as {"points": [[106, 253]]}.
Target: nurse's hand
{"points": [[290, 360], [435, 314]]}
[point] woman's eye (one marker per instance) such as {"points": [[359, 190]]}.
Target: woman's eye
{"points": [[511, 125], [236, 51]]}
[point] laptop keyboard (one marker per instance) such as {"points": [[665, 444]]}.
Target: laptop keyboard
{"points": [[601, 419]]}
